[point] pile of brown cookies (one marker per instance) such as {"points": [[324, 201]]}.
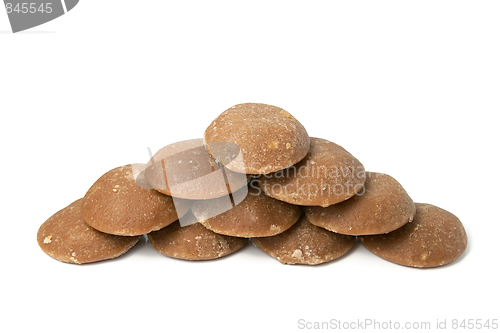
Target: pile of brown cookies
{"points": [[256, 174]]}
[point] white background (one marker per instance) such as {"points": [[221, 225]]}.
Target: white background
{"points": [[410, 88]]}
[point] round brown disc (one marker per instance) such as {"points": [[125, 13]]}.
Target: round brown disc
{"points": [[248, 213], [380, 207], [305, 243], [193, 242], [66, 237], [266, 138], [121, 203], [434, 238], [327, 175], [186, 170]]}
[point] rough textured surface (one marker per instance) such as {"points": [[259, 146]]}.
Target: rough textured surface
{"points": [[255, 214], [268, 137], [434, 238], [327, 175], [186, 170], [193, 242], [381, 207], [121, 203], [66, 237], [305, 243]]}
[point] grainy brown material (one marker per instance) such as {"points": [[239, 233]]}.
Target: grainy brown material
{"points": [[269, 138], [305, 243], [186, 170], [66, 237], [120, 204], [255, 214], [380, 207], [434, 238], [193, 242], [327, 175]]}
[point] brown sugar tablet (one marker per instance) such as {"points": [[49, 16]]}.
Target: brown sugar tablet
{"points": [[186, 170], [250, 213], [380, 207], [329, 174], [66, 237], [265, 138], [193, 242], [122, 203], [305, 243], [434, 238]]}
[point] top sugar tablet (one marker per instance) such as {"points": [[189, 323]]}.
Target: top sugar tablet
{"points": [[257, 138]]}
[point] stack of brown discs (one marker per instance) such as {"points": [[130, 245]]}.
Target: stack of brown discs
{"points": [[256, 174]]}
